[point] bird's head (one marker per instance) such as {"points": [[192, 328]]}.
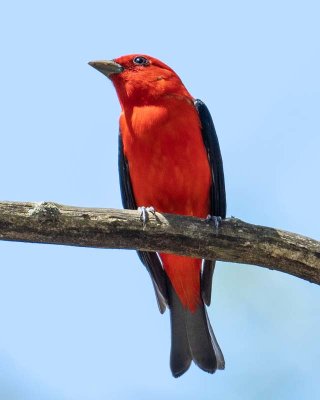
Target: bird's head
{"points": [[141, 79]]}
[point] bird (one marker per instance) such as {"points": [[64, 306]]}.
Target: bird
{"points": [[170, 161]]}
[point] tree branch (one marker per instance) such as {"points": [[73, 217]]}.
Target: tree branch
{"points": [[234, 240]]}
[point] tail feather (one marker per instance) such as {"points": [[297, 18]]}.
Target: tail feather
{"points": [[215, 344], [180, 357], [192, 338]]}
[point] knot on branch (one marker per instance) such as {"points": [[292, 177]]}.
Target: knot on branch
{"points": [[45, 211]]}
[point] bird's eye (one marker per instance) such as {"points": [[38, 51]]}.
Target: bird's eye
{"points": [[140, 60]]}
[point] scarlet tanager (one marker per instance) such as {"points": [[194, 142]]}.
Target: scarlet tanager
{"points": [[169, 158]]}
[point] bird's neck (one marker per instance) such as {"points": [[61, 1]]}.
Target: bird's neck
{"points": [[149, 91]]}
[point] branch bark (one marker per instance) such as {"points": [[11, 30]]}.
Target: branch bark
{"points": [[234, 240]]}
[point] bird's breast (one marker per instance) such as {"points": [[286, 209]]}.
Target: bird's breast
{"points": [[147, 119], [168, 163]]}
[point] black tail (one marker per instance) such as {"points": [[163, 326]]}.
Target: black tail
{"points": [[192, 338]]}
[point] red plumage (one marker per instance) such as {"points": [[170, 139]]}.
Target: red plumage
{"points": [[168, 164]]}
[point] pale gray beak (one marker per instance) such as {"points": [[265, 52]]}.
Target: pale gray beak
{"points": [[107, 68]]}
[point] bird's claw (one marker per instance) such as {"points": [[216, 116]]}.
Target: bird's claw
{"points": [[216, 221], [144, 214]]}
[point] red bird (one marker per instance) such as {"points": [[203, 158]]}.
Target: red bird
{"points": [[169, 158]]}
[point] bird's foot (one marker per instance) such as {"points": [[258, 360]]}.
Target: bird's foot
{"points": [[144, 214], [216, 220]]}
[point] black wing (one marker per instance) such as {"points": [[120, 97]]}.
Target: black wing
{"points": [[150, 260], [218, 206]]}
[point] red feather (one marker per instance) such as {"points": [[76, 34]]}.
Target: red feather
{"points": [[168, 164]]}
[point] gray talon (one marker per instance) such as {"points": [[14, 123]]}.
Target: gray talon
{"points": [[144, 211], [151, 210], [216, 221]]}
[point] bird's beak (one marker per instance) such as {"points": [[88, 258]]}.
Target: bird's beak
{"points": [[107, 68]]}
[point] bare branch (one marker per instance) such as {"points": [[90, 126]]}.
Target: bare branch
{"points": [[234, 241]]}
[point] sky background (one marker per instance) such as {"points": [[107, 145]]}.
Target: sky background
{"points": [[83, 324]]}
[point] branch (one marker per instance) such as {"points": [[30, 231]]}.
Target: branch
{"points": [[234, 241]]}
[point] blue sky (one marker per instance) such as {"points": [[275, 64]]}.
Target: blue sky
{"points": [[83, 323]]}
